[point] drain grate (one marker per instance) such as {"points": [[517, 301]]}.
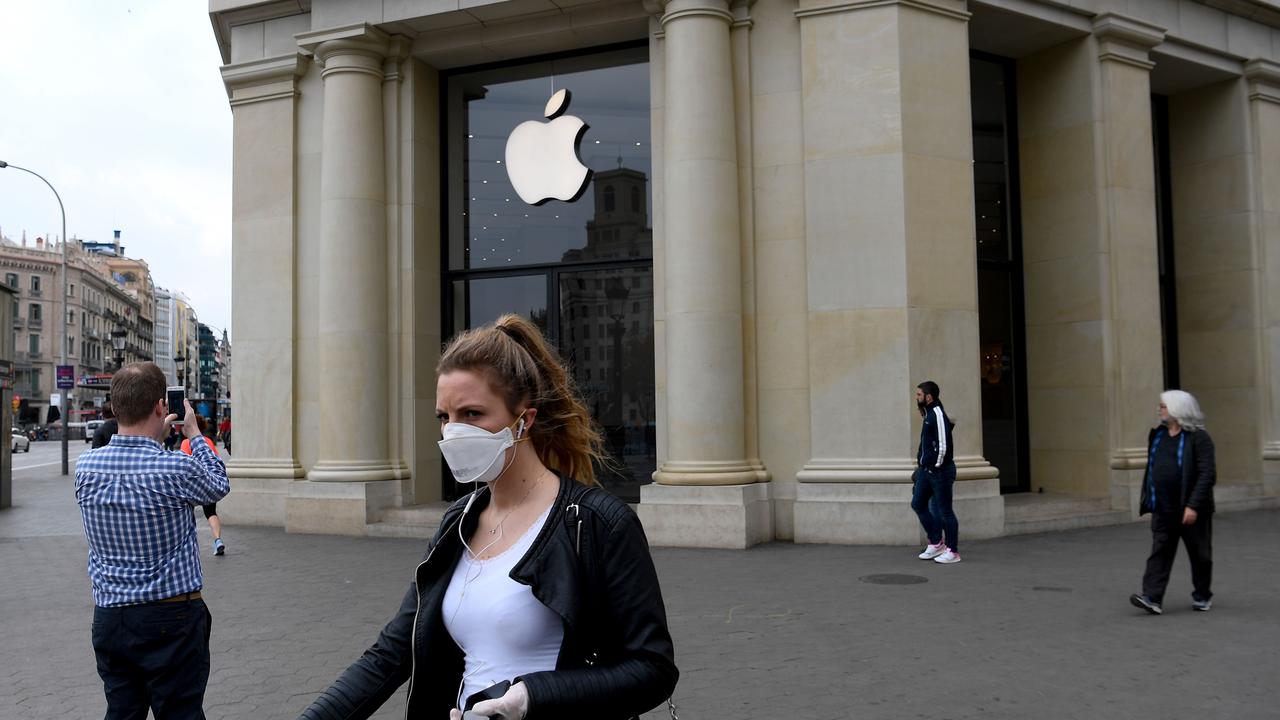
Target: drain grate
{"points": [[893, 579]]}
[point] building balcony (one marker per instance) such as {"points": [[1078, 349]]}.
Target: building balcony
{"points": [[93, 307], [35, 322], [35, 293], [19, 322], [91, 333]]}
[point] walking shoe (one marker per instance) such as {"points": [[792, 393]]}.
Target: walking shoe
{"points": [[1201, 605], [218, 547], [932, 551], [1146, 603], [948, 557]]}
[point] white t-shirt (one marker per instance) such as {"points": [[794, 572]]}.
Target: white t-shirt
{"points": [[500, 626]]}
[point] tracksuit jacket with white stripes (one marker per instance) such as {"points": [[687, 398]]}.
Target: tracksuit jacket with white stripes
{"points": [[937, 451]]}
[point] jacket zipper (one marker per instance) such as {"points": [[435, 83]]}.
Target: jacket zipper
{"points": [[413, 630]]}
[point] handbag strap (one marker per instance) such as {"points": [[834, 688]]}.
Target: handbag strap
{"points": [[574, 524]]}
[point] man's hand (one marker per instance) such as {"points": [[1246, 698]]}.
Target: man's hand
{"points": [[190, 429], [1189, 516], [512, 706]]}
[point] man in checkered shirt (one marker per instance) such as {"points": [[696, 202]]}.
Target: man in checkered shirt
{"points": [[150, 625]]}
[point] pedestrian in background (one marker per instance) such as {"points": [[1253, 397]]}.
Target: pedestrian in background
{"points": [[1177, 490], [210, 509], [538, 595], [935, 478], [109, 427], [150, 624]]}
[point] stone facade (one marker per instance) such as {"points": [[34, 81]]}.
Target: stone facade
{"points": [[813, 233]]}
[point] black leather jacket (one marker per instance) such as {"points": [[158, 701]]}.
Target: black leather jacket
{"points": [[590, 564]]}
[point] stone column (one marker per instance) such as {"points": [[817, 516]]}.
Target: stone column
{"points": [[1133, 366], [344, 491], [263, 246], [706, 492], [892, 275], [1264, 105]]}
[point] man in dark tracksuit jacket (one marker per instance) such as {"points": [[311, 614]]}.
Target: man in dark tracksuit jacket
{"points": [[935, 476]]}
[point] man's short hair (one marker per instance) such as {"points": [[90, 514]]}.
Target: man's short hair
{"points": [[107, 411], [930, 388], [135, 390]]}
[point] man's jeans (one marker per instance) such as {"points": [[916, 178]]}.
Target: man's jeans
{"points": [[931, 499], [153, 656]]}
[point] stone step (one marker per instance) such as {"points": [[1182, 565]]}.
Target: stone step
{"points": [[414, 521], [1064, 522], [1230, 498], [1021, 507]]}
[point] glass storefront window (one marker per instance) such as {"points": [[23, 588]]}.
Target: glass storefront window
{"points": [[582, 271], [1001, 314]]}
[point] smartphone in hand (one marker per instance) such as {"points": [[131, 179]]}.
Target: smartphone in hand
{"points": [[174, 396]]}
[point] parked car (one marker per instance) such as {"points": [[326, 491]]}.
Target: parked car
{"points": [[18, 441], [90, 428]]}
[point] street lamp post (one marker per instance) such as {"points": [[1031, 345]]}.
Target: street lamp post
{"points": [[66, 404], [117, 344], [179, 365]]}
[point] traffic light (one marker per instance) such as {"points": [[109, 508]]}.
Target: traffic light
{"points": [[16, 402]]}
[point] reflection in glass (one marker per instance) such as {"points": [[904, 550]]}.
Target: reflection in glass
{"points": [[610, 350], [489, 226], [480, 301], [582, 271]]}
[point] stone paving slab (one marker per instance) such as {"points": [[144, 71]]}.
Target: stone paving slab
{"points": [[1034, 626]]}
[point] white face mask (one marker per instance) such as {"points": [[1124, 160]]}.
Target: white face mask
{"points": [[475, 454]]}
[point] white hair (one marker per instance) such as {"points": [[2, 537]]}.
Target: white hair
{"points": [[1183, 409]]}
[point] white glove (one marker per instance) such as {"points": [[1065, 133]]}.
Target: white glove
{"points": [[514, 705]]}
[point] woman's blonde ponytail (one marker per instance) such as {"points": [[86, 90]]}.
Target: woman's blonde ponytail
{"points": [[523, 367]]}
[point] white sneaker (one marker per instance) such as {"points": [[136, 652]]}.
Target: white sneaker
{"points": [[932, 551], [948, 557]]}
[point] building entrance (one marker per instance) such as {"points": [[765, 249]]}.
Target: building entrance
{"points": [[1001, 313]]}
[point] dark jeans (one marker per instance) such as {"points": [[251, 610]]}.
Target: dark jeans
{"points": [[153, 656], [1166, 530], [931, 499]]}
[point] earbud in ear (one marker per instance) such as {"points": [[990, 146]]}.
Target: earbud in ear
{"points": [[520, 429]]}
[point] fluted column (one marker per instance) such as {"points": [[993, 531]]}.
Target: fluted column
{"points": [[353, 311], [705, 407], [707, 492]]}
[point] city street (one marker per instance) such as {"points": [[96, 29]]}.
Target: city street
{"points": [[1031, 626]]}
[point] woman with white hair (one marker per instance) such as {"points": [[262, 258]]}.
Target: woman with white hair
{"points": [[1178, 492]]}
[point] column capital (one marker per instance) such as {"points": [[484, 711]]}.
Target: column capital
{"points": [[1264, 80], [677, 9], [360, 39], [266, 79], [1125, 40]]}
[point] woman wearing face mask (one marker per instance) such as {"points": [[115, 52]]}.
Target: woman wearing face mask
{"points": [[537, 578]]}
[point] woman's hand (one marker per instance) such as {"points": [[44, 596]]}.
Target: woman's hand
{"points": [[514, 705]]}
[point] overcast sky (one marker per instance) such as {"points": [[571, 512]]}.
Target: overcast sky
{"points": [[120, 105]]}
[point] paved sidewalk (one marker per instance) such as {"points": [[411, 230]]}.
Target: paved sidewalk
{"points": [[1026, 627]]}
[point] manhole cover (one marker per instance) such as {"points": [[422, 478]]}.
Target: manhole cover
{"points": [[893, 579]]}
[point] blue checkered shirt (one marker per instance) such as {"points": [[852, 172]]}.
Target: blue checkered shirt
{"points": [[136, 501]]}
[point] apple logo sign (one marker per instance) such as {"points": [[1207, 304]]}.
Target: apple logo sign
{"points": [[542, 157]]}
